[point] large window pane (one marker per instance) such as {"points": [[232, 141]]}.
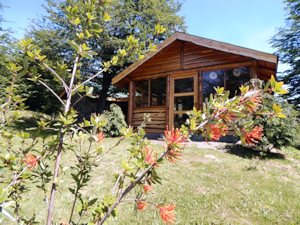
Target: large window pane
{"points": [[158, 91], [141, 94], [183, 103], [184, 85], [235, 78], [212, 79]]}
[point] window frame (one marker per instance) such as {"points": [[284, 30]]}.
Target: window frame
{"points": [[149, 93]]}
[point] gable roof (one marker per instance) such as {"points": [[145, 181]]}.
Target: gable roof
{"points": [[205, 42]]}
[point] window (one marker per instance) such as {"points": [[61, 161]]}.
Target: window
{"points": [[231, 79], [158, 91], [150, 92], [141, 93], [212, 79], [184, 85], [183, 103], [235, 78]]}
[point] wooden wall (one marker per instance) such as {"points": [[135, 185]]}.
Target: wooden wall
{"points": [[158, 118]]}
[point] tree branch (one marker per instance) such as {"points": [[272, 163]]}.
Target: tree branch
{"points": [[52, 91], [55, 74], [91, 78], [128, 189]]}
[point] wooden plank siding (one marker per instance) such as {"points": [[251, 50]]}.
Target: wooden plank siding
{"points": [[188, 56], [158, 118]]}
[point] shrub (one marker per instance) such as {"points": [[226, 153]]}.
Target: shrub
{"points": [[279, 132], [115, 121]]}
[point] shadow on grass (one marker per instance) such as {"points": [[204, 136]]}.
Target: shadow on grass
{"points": [[250, 153], [27, 124]]}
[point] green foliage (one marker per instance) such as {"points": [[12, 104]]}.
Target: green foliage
{"points": [[123, 22], [115, 121], [7, 50], [279, 132], [286, 41]]}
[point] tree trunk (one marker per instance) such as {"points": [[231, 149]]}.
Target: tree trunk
{"points": [[106, 82]]}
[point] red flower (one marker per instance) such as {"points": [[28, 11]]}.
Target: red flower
{"points": [[227, 117], [149, 156], [174, 137], [30, 160], [215, 131], [255, 135], [147, 188], [167, 213], [173, 154], [141, 205], [252, 102], [100, 136]]}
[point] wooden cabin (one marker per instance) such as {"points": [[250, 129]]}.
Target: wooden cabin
{"points": [[182, 72]]}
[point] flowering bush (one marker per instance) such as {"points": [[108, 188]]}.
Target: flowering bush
{"points": [[242, 114]]}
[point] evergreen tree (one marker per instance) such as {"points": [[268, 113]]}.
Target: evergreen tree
{"points": [[126, 17], [287, 43]]}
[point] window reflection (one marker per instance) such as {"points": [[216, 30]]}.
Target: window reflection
{"points": [[231, 79], [180, 119], [158, 91], [183, 103], [184, 85], [235, 78], [141, 93], [156, 96], [212, 79]]}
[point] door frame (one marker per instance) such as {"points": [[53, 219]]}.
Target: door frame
{"points": [[172, 95]]}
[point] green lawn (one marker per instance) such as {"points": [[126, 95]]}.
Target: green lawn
{"points": [[209, 186]]}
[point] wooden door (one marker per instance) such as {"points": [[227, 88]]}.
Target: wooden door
{"points": [[183, 96]]}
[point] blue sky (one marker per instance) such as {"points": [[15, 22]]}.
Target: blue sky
{"points": [[249, 23]]}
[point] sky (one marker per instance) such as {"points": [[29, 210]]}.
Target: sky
{"points": [[249, 23]]}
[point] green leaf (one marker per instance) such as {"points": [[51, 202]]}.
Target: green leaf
{"points": [[106, 17], [3, 195], [76, 21], [126, 166], [159, 29], [74, 45], [278, 111]]}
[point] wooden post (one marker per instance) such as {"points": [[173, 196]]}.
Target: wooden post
{"points": [[130, 103], [200, 100], [171, 101], [168, 101], [253, 72]]}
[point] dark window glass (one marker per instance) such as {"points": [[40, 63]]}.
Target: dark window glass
{"points": [[235, 78], [183, 103], [158, 91], [179, 119], [212, 79], [184, 85], [141, 94]]}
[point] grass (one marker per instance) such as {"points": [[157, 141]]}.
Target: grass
{"points": [[224, 185], [209, 186]]}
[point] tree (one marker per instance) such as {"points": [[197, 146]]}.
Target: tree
{"points": [[143, 19], [6, 52], [287, 43]]}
